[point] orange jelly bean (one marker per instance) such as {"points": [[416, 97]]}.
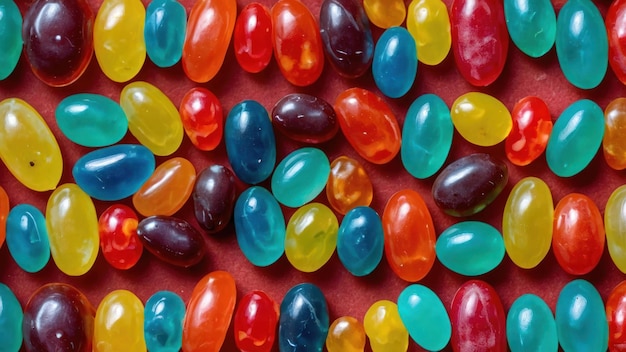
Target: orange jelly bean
{"points": [[4, 212], [348, 185], [529, 136], [613, 142]]}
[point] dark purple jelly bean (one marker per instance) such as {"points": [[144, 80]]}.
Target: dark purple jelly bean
{"points": [[214, 198], [172, 240], [305, 118]]}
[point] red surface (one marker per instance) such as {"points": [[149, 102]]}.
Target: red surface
{"points": [[346, 295]]}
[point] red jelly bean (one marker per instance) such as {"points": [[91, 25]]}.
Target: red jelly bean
{"points": [[203, 118], [172, 240], [480, 40], [305, 118], [478, 319], [368, 124], [119, 242], [253, 38], [532, 125], [4, 212], [255, 322], [615, 24], [616, 317]]}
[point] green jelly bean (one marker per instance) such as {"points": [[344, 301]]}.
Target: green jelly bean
{"points": [[300, 177], [530, 325], [531, 24], [10, 37], [11, 316]]}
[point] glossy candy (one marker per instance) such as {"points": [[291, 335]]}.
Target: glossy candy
{"points": [[348, 185], [385, 13], [429, 24], [214, 197], [615, 21], [360, 241], [481, 119], [305, 118], [530, 325], [252, 37], [11, 318], [202, 117], [384, 328], [532, 25], [121, 247], [615, 309], [163, 322], [395, 62], [119, 323], [256, 319], [304, 321], [4, 212], [164, 31], [27, 238], [346, 334], [531, 129], [614, 221], [613, 146], [300, 177], [10, 37], [172, 240]]}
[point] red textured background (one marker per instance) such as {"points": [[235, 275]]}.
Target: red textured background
{"points": [[346, 295]]}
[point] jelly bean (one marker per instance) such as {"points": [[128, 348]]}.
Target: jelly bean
{"points": [[615, 230], [615, 20], [209, 29], [582, 44], [347, 37], [527, 222], [163, 322], [478, 318], [167, 190], [214, 197], [252, 37], [581, 323], [532, 25], [4, 212], [27, 238], [119, 323], [91, 120], [300, 177], [615, 309], [395, 62], [348, 185], [368, 124], [58, 317], [480, 40], [531, 129], [311, 237], [11, 318], [360, 241], [250, 142], [346, 334], [10, 37], [152, 118], [481, 119], [426, 136], [297, 42], [115, 172], [118, 37], [259, 226], [209, 311], [530, 325], [304, 320], [202, 117], [409, 235], [384, 328], [164, 31], [305, 118], [385, 13], [121, 247], [429, 24], [613, 146], [578, 234], [72, 226], [425, 317], [27, 146], [172, 240], [255, 320]]}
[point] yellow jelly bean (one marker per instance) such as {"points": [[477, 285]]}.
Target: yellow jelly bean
{"points": [[481, 119], [119, 323], [72, 229], [429, 24], [385, 13], [384, 328], [27, 146], [615, 227]]}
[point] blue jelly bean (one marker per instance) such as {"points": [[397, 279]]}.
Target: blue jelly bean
{"points": [[395, 62], [164, 32], [582, 44], [91, 120], [581, 323], [10, 37], [304, 319], [115, 172], [360, 241], [426, 136], [259, 226], [11, 316], [250, 142], [300, 177], [531, 24], [575, 139], [530, 325], [163, 322], [27, 238]]}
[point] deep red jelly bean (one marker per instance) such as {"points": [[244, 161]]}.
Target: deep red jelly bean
{"points": [[252, 38], [119, 242], [305, 118], [615, 24], [616, 317], [532, 125], [172, 240], [203, 118], [255, 322], [214, 197]]}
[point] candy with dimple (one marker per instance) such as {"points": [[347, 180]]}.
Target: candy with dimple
{"points": [[530, 325], [4, 212], [305, 118], [429, 24], [119, 323], [214, 196], [27, 238], [360, 241], [11, 317], [303, 323], [531, 129], [615, 21], [252, 37], [481, 119], [163, 322], [346, 334], [300, 177], [164, 31], [348, 185], [614, 222], [613, 145], [119, 242], [395, 62], [385, 13], [10, 37], [255, 322], [202, 117], [172, 240], [384, 328], [531, 24], [615, 312]]}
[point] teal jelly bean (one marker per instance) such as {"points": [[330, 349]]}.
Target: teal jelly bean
{"points": [[531, 24], [11, 316], [27, 238], [581, 323], [304, 321], [470, 248], [10, 37], [582, 44], [163, 322], [530, 325], [360, 241], [575, 139], [259, 226], [164, 32], [425, 317], [394, 65], [426, 136], [300, 177], [91, 120]]}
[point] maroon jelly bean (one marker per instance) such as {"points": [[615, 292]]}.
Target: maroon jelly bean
{"points": [[214, 198], [305, 118], [172, 240]]}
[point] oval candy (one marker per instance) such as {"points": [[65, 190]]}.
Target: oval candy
{"points": [[531, 24], [202, 117], [481, 119], [360, 241], [346, 334], [530, 325], [300, 177], [27, 238], [214, 197], [429, 24], [172, 240], [532, 125], [164, 32], [255, 322], [615, 20], [613, 145], [120, 245], [384, 327], [119, 323], [305, 118], [385, 13], [164, 314], [348, 185], [614, 221], [615, 309], [394, 65], [11, 42], [4, 213], [304, 321], [252, 37], [11, 318]]}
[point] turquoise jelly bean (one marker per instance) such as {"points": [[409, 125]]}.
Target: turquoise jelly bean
{"points": [[426, 136], [250, 142], [582, 45], [163, 322], [395, 62], [259, 226], [11, 316], [91, 120], [115, 172], [530, 325], [470, 248], [580, 318], [425, 317], [304, 321], [27, 237], [360, 241], [575, 139], [10, 37], [300, 177], [164, 32], [531, 24]]}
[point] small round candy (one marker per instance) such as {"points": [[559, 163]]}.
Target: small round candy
{"points": [[531, 24], [384, 327], [252, 37], [429, 24], [163, 322], [481, 119], [203, 118], [346, 334], [532, 125], [385, 13], [530, 325], [119, 323], [164, 31], [255, 322], [27, 237], [360, 241], [348, 185], [119, 242], [300, 177]]}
